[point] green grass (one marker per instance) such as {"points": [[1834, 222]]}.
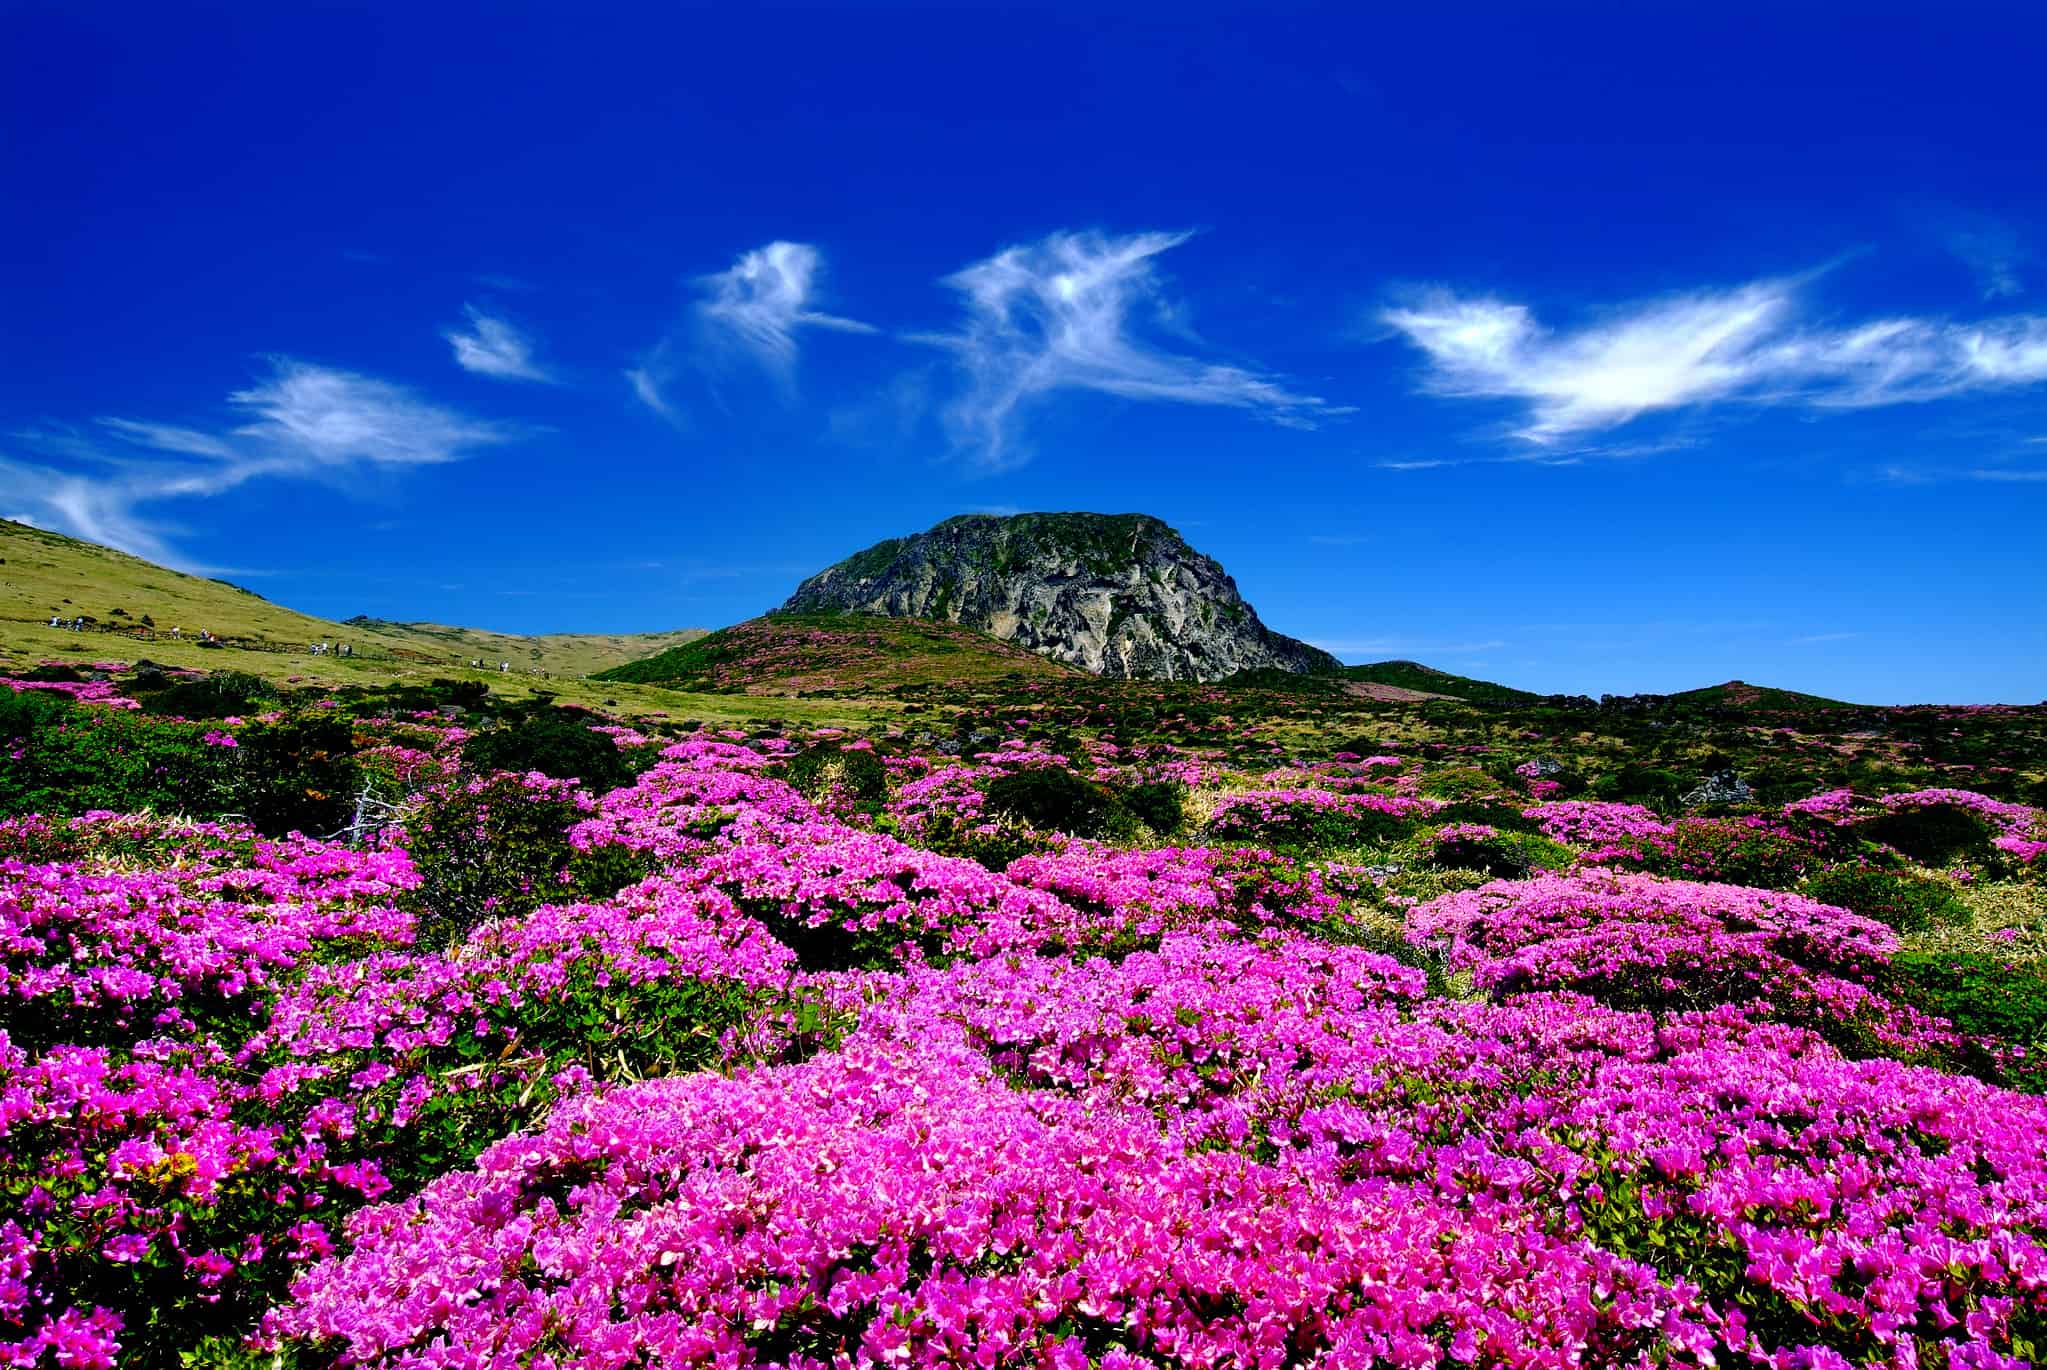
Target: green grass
{"points": [[43, 573]]}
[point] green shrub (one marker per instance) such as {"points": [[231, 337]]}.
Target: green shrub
{"points": [[1983, 995], [297, 774], [1160, 805], [1056, 799], [24, 713], [1908, 903], [64, 759], [221, 694], [858, 775], [994, 844], [493, 848], [554, 741], [1636, 783], [1931, 834], [1503, 814], [1737, 851], [1508, 855], [1461, 782]]}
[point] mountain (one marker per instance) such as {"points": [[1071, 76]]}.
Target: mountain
{"points": [[127, 599], [1412, 675], [832, 653], [1114, 594]]}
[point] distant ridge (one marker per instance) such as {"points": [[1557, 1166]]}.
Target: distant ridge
{"points": [[1412, 675], [1739, 694], [1114, 594]]}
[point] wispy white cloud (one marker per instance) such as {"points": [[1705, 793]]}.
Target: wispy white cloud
{"points": [[494, 347], [647, 390], [1064, 313], [300, 421], [751, 311], [317, 415], [1995, 254], [761, 301], [1742, 344], [1818, 639], [163, 437]]}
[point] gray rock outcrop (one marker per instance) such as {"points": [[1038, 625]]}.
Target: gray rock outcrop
{"points": [[1115, 594]]}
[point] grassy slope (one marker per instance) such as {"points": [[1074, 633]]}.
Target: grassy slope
{"points": [[43, 573], [46, 573], [1412, 675], [796, 653]]}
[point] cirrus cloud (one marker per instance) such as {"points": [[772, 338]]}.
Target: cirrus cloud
{"points": [[494, 347], [752, 311], [1065, 313], [301, 421], [1741, 344]]}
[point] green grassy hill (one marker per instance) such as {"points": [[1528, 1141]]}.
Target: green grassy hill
{"points": [[1412, 675], [131, 606], [856, 653]]}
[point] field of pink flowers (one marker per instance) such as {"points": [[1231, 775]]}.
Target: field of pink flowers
{"points": [[1365, 1062]]}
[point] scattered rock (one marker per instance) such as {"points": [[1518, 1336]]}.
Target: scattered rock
{"points": [[1721, 787]]}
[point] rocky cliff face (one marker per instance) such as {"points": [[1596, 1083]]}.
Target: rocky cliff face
{"points": [[1116, 594]]}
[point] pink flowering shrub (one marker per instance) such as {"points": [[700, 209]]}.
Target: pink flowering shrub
{"points": [[1314, 817], [843, 898], [94, 951], [876, 1207], [717, 1068], [1739, 851], [1183, 1160], [1132, 897], [1941, 826], [1644, 941], [175, 1182], [1934, 826], [1605, 833], [675, 809]]}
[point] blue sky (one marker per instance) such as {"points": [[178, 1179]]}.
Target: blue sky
{"points": [[1606, 348]]}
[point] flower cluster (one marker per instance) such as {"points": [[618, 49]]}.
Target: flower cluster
{"points": [[703, 1070]]}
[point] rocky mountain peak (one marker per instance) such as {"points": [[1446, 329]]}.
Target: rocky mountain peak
{"points": [[1115, 594]]}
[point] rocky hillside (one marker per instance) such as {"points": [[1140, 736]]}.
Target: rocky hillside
{"points": [[1115, 594]]}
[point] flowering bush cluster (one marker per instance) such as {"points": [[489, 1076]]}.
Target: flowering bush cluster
{"points": [[1315, 817], [738, 1063]]}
